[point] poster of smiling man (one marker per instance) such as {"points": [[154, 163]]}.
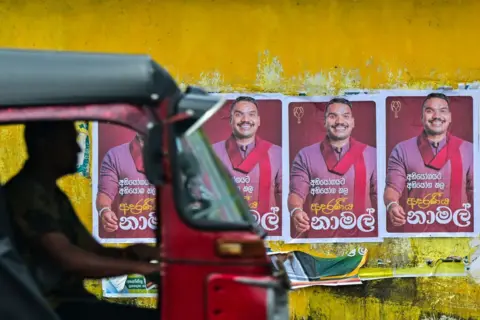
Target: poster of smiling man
{"points": [[429, 177], [333, 172], [246, 135], [123, 203]]}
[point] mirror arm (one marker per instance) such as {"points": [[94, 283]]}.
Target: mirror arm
{"points": [[153, 154]]}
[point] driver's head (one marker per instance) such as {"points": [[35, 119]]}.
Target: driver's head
{"points": [[53, 145], [244, 117]]}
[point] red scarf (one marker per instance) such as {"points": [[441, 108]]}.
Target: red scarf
{"points": [[451, 152], [354, 156], [137, 155], [259, 155]]}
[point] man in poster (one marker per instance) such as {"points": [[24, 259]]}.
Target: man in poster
{"points": [[333, 184], [125, 199], [255, 164], [436, 168]]}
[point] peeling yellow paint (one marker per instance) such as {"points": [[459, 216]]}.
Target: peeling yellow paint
{"points": [[270, 74], [288, 46], [213, 82]]}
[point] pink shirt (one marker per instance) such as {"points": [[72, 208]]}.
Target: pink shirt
{"points": [[406, 160], [328, 195], [248, 184], [424, 189]]}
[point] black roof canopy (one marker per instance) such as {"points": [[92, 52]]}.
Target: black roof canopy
{"points": [[39, 78]]}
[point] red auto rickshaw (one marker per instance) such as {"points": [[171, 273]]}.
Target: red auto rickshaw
{"points": [[213, 259]]}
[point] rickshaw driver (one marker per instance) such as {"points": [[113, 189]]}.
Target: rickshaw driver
{"points": [[55, 245]]}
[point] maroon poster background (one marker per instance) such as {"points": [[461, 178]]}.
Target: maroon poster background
{"points": [[218, 128], [311, 129], [109, 136], [409, 124]]}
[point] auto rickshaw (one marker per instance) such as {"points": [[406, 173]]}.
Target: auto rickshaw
{"points": [[212, 253]]}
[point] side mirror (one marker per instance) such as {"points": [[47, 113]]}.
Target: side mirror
{"points": [[153, 155]]}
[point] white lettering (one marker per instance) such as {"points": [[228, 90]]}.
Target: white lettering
{"points": [[245, 179], [461, 217], [440, 185], [269, 221], [138, 187], [126, 190], [343, 191], [248, 189], [425, 181], [346, 221], [424, 176], [328, 186], [141, 223], [133, 182], [419, 185], [327, 182], [318, 190]]}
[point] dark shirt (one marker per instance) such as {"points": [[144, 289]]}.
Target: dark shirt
{"points": [[38, 208]]}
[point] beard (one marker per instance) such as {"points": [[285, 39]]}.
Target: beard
{"points": [[237, 132], [435, 130]]}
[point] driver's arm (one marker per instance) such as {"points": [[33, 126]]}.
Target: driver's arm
{"points": [[51, 233], [88, 243], [86, 264]]}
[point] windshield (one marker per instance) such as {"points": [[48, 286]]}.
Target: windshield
{"points": [[209, 191]]}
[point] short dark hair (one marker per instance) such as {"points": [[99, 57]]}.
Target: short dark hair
{"points": [[39, 130], [243, 98], [437, 95], [337, 100]]}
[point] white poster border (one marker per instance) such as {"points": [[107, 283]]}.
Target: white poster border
{"points": [[95, 217], [356, 97], [381, 175], [264, 96]]}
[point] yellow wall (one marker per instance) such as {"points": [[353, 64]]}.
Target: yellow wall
{"points": [[285, 46]]}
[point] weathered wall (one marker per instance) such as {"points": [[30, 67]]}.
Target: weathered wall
{"points": [[317, 46]]}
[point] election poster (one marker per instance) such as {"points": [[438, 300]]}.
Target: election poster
{"points": [[246, 135], [332, 172], [123, 200], [431, 146], [345, 169]]}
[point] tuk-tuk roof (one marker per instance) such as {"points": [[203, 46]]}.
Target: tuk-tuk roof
{"points": [[39, 78]]}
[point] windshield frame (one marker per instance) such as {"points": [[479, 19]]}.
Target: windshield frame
{"points": [[179, 195]]}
